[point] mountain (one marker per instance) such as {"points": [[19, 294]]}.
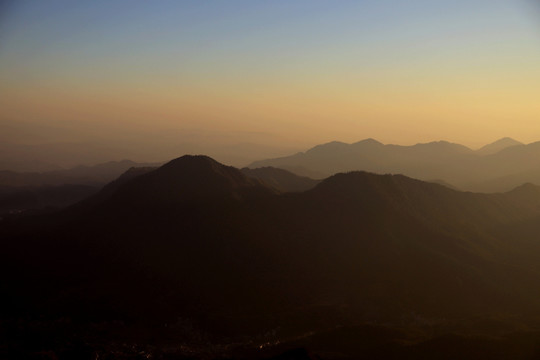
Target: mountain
{"points": [[370, 155], [96, 175], [498, 145], [52, 156], [200, 259], [281, 179], [189, 177], [108, 190], [23, 192], [498, 167], [509, 181]]}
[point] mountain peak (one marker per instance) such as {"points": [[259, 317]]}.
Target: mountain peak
{"points": [[507, 139], [192, 161], [368, 141], [188, 177], [526, 188], [498, 145]]}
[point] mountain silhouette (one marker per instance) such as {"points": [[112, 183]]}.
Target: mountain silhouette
{"points": [[207, 250], [96, 175], [190, 177], [27, 192], [110, 189], [371, 155], [498, 167], [498, 145]]}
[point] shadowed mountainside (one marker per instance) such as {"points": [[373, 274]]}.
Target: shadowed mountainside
{"points": [[499, 166], [189, 177], [200, 253]]}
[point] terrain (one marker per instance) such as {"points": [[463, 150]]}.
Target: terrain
{"points": [[49, 190], [196, 259], [497, 167]]}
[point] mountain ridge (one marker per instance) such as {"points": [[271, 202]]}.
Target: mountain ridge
{"points": [[82, 175], [498, 145], [453, 163], [232, 257], [190, 177]]}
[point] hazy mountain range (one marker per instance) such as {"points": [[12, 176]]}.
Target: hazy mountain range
{"points": [[197, 259], [496, 167], [96, 175], [36, 147], [22, 191], [60, 188]]}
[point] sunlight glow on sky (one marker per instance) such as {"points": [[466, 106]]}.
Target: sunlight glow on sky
{"points": [[304, 71]]}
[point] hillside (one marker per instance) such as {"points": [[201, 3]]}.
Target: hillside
{"points": [[226, 259], [28, 192]]}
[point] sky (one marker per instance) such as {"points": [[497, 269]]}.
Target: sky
{"points": [[281, 73]]}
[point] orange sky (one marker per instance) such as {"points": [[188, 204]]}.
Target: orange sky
{"points": [[467, 74]]}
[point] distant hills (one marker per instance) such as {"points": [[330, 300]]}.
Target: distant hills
{"points": [[498, 145], [23, 191], [199, 252], [61, 188], [52, 156], [496, 167], [96, 175]]}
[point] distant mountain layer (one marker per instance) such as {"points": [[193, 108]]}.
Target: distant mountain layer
{"points": [[498, 145], [24, 192], [496, 167], [210, 258], [82, 175], [34, 191]]}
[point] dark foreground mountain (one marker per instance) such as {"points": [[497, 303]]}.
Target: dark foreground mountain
{"points": [[496, 167], [197, 259]]}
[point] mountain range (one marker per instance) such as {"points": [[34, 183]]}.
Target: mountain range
{"points": [[198, 258], [49, 190], [23, 192], [96, 175], [496, 167]]}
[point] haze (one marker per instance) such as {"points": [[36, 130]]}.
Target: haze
{"points": [[270, 180], [156, 79]]}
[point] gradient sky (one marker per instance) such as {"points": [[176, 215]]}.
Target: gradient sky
{"points": [[290, 72]]}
